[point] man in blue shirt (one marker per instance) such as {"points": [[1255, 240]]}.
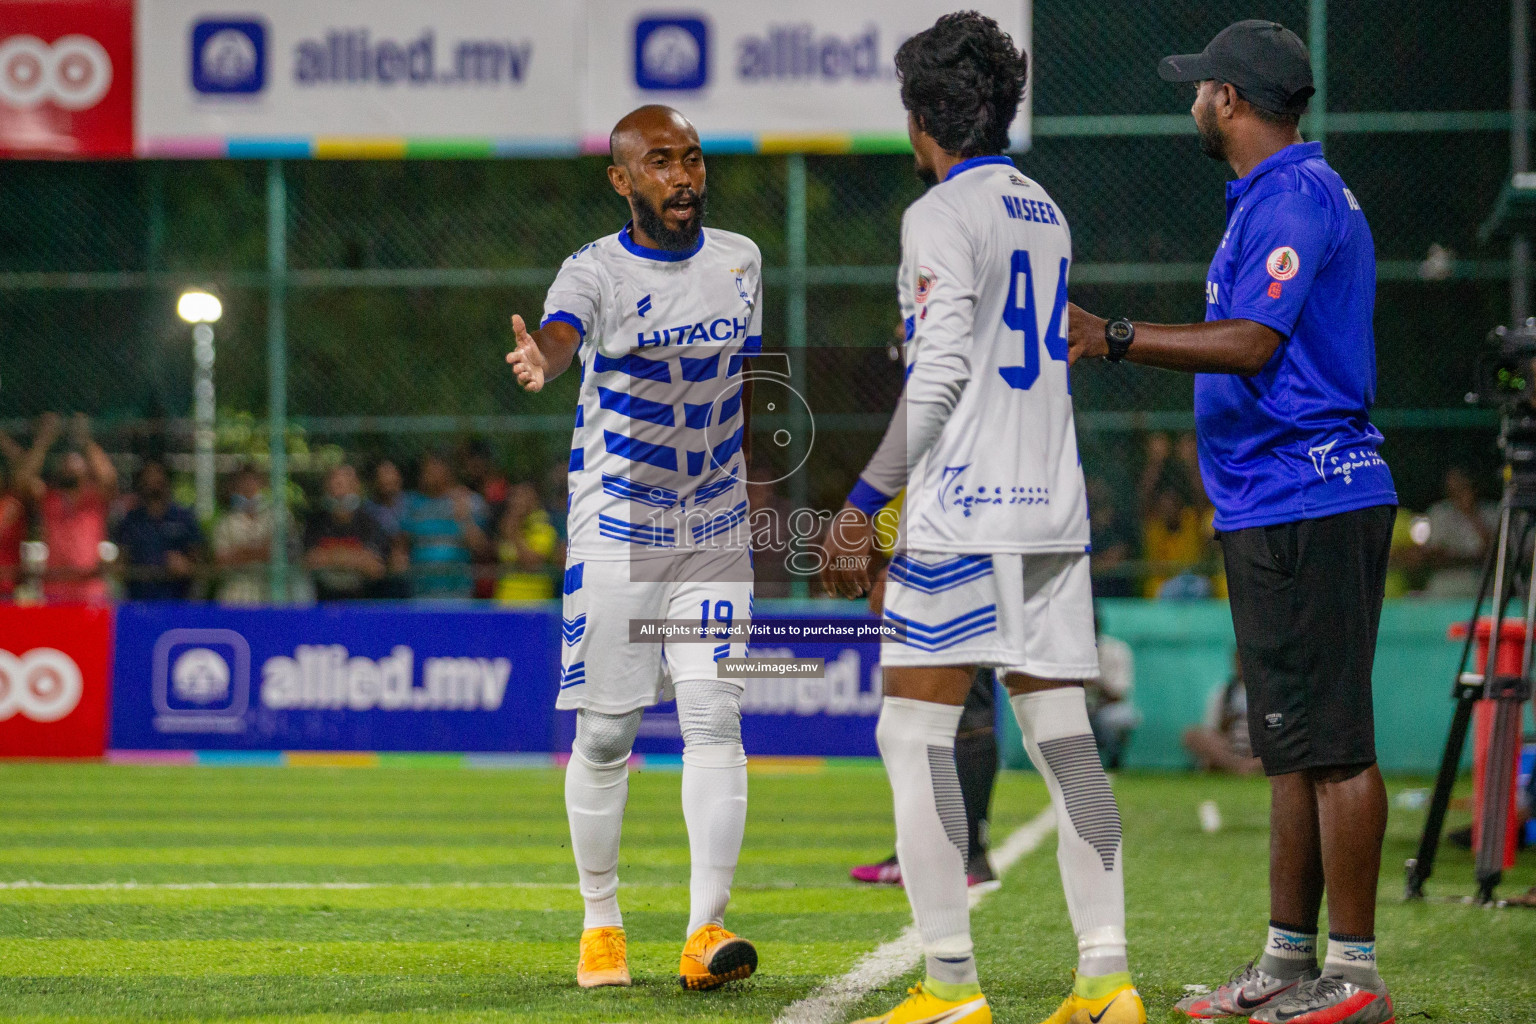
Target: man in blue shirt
{"points": [[160, 540], [1286, 375]]}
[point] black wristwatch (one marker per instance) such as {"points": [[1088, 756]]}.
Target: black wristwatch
{"points": [[1118, 335]]}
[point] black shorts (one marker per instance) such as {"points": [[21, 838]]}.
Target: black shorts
{"points": [[1306, 603]]}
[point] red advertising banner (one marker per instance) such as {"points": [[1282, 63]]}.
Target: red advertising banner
{"points": [[66, 78], [54, 667]]}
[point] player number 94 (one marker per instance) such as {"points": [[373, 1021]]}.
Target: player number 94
{"points": [[1021, 318]]}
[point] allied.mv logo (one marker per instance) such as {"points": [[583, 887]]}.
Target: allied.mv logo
{"points": [[200, 676], [671, 53], [229, 57], [201, 681]]}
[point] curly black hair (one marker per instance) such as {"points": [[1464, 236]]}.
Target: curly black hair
{"points": [[963, 80]]}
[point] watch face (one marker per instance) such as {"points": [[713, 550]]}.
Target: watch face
{"points": [[1120, 330]]}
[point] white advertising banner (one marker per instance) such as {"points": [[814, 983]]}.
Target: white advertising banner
{"points": [[357, 77], [787, 75]]}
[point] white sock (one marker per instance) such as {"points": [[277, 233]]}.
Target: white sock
{"points": [[1288, 952], [596, 789], [714, 793], [1088, 848], [1352, 957], [917, 743]]}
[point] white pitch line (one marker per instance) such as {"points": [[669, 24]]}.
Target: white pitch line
{"points": [[892, 959]]}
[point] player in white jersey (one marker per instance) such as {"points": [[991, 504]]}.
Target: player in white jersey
{"points": [[990, 566], [662, 316]]}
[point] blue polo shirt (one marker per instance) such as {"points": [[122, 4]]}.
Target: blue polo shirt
{"points": [[1295, 441]]}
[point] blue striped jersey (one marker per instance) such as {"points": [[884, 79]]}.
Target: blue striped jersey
{"points": [[655, 461]]}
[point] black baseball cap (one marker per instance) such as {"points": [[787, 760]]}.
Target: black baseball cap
{"points": [[1264, 61]]}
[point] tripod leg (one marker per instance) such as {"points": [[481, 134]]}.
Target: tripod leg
{"points": [[1503, 749], [1423, 863], [1497, 778]]}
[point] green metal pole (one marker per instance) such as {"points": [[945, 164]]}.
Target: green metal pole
{"points": [[795, 330], [1519, 150], [154, 259], [1317, 44], [277, 373]]}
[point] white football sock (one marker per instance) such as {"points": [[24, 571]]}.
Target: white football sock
{"points": [[714, 793], [1088, 849], [596, 789], [917, 743]]}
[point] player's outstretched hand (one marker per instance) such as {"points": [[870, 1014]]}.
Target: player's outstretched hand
{"points": [[528, 362], [846, 552], [1085, 335]]}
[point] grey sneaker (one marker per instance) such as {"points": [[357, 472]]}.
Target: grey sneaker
{"points": [[1247, 990], [1330, 1000]]}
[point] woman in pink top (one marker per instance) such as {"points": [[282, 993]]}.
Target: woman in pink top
{"points": [[73, 509]]}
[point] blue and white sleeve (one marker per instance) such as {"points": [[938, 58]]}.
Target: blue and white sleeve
{"points": [[576, 296], [937, 254]]}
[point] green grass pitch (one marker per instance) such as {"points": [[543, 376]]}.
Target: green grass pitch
{"points": [[462, 906]]}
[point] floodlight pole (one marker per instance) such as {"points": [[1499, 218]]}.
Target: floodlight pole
{"points": [[203, 416], [277, 375]]}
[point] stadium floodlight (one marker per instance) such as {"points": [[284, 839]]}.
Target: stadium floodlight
{"points": [[201, 309], [198, 307]]}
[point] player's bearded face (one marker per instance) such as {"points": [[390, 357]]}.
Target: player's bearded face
{"points": [[1211, 142], [652, 218]]}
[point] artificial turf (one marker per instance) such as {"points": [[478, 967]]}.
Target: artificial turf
{"points": [[449, 897]]}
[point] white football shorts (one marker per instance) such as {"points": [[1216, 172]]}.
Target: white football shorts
{"points": [[605, 669], [1016, 613]]}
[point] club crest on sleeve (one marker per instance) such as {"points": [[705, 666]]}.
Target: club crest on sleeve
{"points": [[925, 278], [1283, 263]]}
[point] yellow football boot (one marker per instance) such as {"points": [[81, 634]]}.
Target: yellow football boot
{"points": [[923, 1007], [712, 957], [1120, 1005], [603, 960]]}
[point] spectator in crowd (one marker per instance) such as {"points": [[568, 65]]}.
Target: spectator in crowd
{"points": [[1221, 743], [527, 547], [555, 494], [158, 540], [1186, 453], [242, 541], [13, 519], [444, 526], [389, 498], [73, 505], [477, 469], [388, 507], [1461, 530], [1111, 714], [1173, 541], [1173, 537], [346, 548], [1114, 541]]}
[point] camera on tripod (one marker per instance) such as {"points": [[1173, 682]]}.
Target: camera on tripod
{"points": [[1506, 380]]}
